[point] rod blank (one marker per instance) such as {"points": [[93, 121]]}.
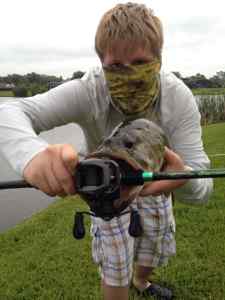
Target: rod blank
{"points": [[16, 184], [213, 173], [138, 177]]}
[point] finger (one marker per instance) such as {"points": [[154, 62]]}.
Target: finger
{"points": [[159, 187], [69, 157], [46, 187], [172, 160], [53, 182], [63, 177], [40, 182]]}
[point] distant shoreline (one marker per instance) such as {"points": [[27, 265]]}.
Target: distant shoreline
{"points": [[200, 91]]}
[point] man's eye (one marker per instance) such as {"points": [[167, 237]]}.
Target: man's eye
{"points": [[116, 65], [139, 62]]}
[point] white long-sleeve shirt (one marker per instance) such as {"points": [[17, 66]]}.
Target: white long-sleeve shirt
{"points": [[87, 102]]}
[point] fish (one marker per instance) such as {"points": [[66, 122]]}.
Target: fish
{"points": [[140, 143], [135, 145]]}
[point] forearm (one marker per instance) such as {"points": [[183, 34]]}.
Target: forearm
{"points": [[21, 121], [186, 140], [195, 191], [18, 141]]}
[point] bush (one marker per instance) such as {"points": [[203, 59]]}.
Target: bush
{"points": [[20, 91], [37, 89]]}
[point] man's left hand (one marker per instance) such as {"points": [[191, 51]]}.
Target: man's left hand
{"points": [[173, 162]]}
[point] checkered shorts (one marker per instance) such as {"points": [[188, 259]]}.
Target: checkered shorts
{"points": [[114, 250]]}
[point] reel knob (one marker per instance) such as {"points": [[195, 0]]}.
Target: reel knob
{"points": [[78, 228], [135, 228]]}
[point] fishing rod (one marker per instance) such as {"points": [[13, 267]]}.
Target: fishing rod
{"points": [[99, 182], [141, 176], [93, 174], [14, 184]]}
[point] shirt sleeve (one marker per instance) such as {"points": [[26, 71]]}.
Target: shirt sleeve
{"points": [[186, 140], [21, 121]]}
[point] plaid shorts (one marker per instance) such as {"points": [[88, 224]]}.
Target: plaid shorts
{"points": [[115, 251]]}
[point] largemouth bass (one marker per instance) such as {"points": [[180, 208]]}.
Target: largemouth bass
{"points": [[134, 145]]}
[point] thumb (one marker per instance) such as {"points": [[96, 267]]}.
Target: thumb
{"points": [[69, 157]]}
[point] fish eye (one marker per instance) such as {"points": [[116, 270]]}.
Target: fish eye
{"points": [[128, 144]]}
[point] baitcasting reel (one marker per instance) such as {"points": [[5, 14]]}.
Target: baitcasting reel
{"points": [[98, 181]]}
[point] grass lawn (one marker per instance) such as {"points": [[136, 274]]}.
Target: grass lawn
{"points": [[6, 94], [39, 259], [209, 91]]}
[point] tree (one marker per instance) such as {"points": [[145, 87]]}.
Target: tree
{"points": [[197, 81], [77, 74], [221, 75], [178, 74], [219, 78], [20, 91]]}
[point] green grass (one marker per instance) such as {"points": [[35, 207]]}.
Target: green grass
{"points": [[209, 91], [6, 94], [39, 258]]}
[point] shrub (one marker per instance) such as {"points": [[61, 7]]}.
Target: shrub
{"points": [[37, 89], [20, 91]]}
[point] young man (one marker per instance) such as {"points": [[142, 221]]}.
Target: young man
{"points": [[130, 84]]}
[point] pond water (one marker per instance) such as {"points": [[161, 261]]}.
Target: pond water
{"points": [[17, 205]]}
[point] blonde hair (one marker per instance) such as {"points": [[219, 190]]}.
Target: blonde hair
{"points": [[133, 23]]}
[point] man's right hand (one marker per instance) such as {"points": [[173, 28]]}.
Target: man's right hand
{"points": [[51, 170]]}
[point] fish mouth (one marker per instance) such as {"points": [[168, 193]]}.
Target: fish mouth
{"points": [[125, 164]]}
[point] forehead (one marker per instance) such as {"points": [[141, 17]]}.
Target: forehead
{"points": [[125, 53]]}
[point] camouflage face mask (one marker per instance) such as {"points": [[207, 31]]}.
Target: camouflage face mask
{"points": [[133, 88]]}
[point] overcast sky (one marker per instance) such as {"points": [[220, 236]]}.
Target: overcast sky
{"points": [[57, 37]]}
